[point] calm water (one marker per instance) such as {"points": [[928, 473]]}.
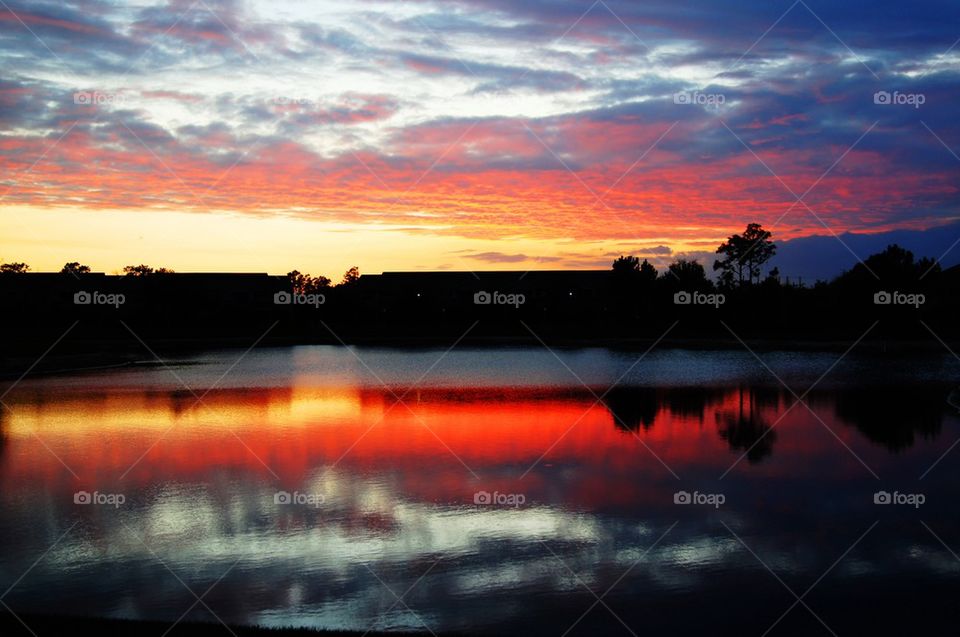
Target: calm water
{"points": [[584, 491]]}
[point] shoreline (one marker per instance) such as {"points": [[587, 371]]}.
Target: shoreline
{"points": [[91, 356], [13, 625]]}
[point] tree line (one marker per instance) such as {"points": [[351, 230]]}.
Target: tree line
{"points": [[741, 262], [742, 258], [907, 297], [302, 283]]}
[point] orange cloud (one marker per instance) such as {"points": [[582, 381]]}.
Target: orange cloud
{"points": [[494, 178]]}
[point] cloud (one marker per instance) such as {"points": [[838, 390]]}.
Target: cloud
{"points": [[493, 119], [348, 109], [493, 77], [642, 251], [834, 256], [501, 257]]}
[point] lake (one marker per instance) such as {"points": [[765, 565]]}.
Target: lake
{"points": [[501, 490]]}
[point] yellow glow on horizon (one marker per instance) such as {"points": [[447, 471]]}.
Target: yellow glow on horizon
{"points": [[106, 240]]}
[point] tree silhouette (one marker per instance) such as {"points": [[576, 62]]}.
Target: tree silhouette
{"points": [[137, 270], [688, 273], [626, 264], [894, 266], [306, 284], [144, 270], [744, 255], [74, 267], [16, 267], [631, 266], [351, 276], [648, 273]]}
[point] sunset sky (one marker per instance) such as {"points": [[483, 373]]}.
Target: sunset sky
{"points": [[250, 135]]}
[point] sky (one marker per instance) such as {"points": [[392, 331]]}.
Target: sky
{"points": [[253, 135]]}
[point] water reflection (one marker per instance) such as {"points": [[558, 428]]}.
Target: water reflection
{"points": [[3, 430], [398, 485], [286, 434], [954, 399], [745, 428], [894, 417], [633, 408]]}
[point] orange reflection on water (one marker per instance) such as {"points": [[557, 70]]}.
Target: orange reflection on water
{"points": [[155, 437]]}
